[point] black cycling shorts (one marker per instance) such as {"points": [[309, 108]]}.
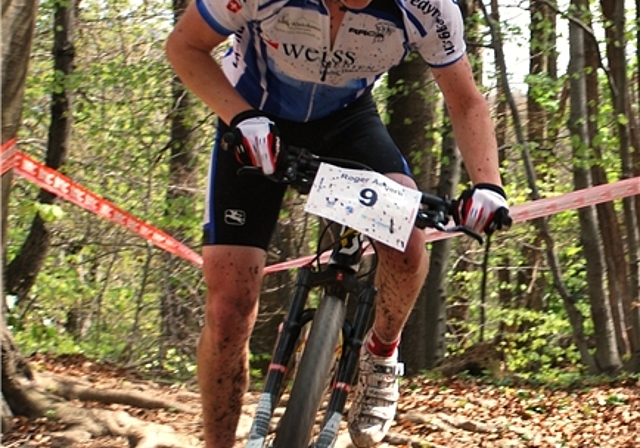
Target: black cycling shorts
{"points": [[243, 210]]}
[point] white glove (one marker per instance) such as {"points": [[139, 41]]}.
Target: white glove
{"points": [[483, 208], [258, 140]]}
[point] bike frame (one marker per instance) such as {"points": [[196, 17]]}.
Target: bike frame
{"points": [[338, 279]]}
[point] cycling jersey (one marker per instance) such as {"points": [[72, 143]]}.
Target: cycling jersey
{"points": [[281, 60]]}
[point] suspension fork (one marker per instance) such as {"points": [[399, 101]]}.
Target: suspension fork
{"points": [[285, 345], [349, 254], [339, 280], [336, 280], [353, 335]]}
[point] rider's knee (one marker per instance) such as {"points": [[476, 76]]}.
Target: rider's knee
{"points": [[410, 261], [231, 310]]}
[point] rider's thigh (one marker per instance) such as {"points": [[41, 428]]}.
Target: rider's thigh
{"points": [[403, 180], [233, 275]]}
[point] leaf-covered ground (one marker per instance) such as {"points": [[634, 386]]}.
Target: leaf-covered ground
{"points": [[431, 413]]}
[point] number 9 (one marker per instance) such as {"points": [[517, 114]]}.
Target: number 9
{"points": [[368, 197]]}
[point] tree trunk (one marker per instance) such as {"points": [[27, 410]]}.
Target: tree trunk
{"points": [[14, 371], [24, 268], [607, 355], [635, 312], [411, 109], [434, 291], [614, 15], [505, 292], [607, 218], [18, 23], [531, 284]]}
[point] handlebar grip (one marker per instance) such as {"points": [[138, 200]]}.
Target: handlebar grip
{"points": [[502, 219]]}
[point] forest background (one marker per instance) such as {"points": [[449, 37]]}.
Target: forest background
{"points": [[558, 298]]}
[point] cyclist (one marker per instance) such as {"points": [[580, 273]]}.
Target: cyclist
{"points": [[300, 72]]}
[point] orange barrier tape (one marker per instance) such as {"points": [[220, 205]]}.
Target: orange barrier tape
{"points": [[564, 202], [8, 156], [524, 212], [62, 186], [65, 188]]}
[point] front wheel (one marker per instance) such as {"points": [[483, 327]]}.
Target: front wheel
{"points": [[296, 425]]}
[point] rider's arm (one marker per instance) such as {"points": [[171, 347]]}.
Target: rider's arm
{"points": [[471, 120], [189, 48]]}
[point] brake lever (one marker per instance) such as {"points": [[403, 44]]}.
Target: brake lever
{"points": [[469, 232], [458, 228]]}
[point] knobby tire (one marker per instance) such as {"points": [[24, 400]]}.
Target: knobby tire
{"points": [[296, 425]]}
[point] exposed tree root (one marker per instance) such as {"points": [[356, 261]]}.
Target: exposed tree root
{"points": [[84, 424], [52, 392], [72, 388]]}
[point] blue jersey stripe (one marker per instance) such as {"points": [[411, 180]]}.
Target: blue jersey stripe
{"points": [[447, 64], [213, 23], [413, 19], [209, 224]]}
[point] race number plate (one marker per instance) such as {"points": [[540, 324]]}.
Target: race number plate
{"points": [[366, 201]]}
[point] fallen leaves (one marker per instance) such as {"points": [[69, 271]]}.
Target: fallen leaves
{"points": [[449, 413], [441, 412]]}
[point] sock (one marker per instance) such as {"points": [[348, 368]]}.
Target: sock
{"points": [[378, 347]]}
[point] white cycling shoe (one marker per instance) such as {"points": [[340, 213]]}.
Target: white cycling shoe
{"points": [[376, 399]]}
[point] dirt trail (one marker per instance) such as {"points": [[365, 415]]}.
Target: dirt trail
{"points": [[443, 413]]}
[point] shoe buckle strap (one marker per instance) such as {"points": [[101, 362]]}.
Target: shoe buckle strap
{"points": [[396, 369], [383, 413]]}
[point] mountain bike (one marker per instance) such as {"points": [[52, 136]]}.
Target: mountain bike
{"points": [[330, 351]]}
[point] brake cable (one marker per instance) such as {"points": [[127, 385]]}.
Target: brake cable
{"points": [[483, 285]]}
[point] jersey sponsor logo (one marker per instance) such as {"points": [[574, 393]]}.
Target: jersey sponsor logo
{"points": [[298, 25], [426, 7], [382, 30], [443, 33], [337, 57], [234, 6], [235, 217]]}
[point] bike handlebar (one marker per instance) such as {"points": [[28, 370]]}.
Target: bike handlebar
{"points": [[297, 167]]}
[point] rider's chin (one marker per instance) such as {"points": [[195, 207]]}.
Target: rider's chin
{"points": [[355, 4]]}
